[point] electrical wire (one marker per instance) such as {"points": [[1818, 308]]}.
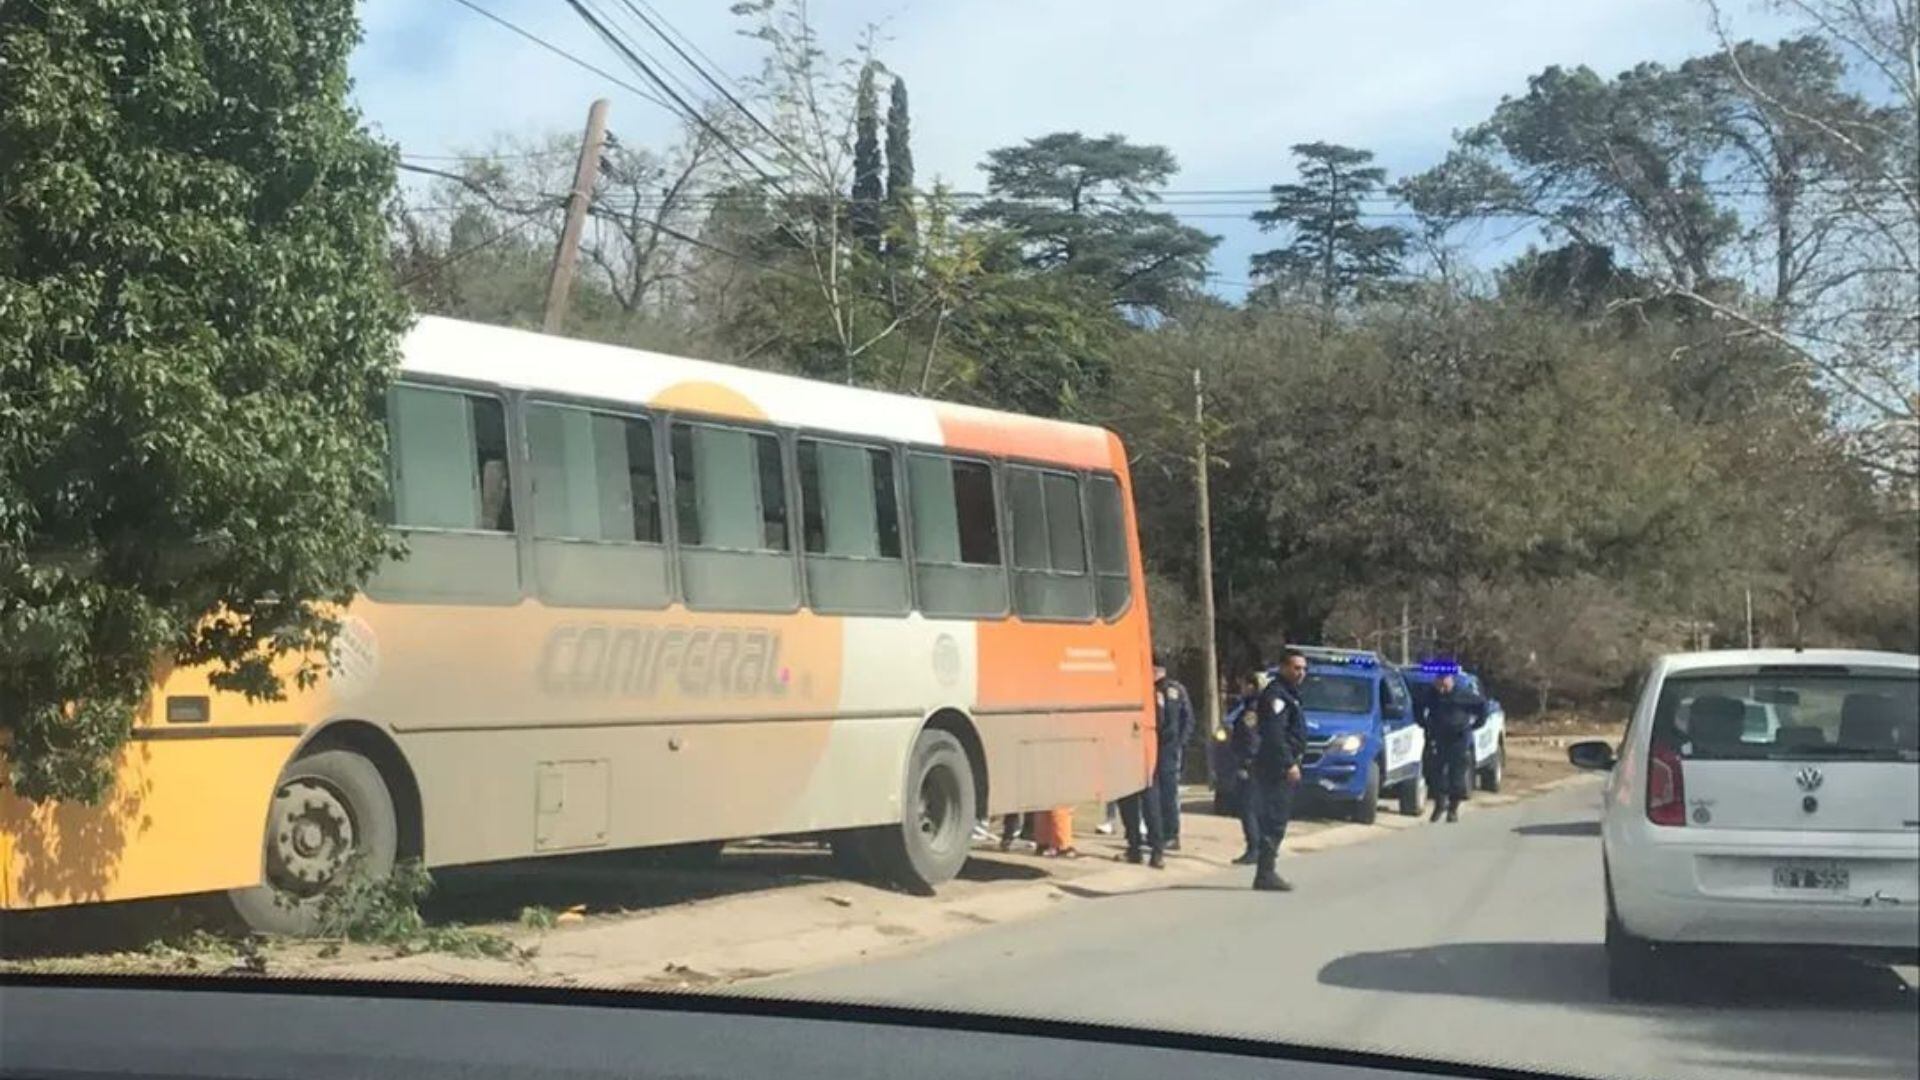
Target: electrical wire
{"points": [[562, 53]]}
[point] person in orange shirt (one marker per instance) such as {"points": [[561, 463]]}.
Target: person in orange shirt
{"points": [[1053, 833]]}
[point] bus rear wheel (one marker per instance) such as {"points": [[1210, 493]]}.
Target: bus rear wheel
{"points": [[935, 834], [331, 813]]}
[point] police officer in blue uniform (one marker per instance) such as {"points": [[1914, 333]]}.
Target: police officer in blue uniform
{"points": [[1450, 715], [1241, 761], [1273, 737], [1174, 721]]}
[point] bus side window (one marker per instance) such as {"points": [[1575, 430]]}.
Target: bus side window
{"points": [[956, 537], [1107, 526], [596, 508], [452, 497], [1050, 579], [730, 502], [850, 518]]}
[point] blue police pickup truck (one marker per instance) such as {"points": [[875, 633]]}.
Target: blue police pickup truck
{"points": [[1362, 741], [1490, 741]]}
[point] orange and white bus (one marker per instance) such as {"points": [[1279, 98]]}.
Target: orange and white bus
{"points": [[655, 601]]}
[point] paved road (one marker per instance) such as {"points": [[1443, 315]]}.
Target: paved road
{"points": [[1473, 942]]}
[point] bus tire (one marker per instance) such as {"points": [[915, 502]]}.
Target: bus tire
{"points": [[931, 842], [1495, 770], [1413, 794], [330, 809], [1368, 807]]}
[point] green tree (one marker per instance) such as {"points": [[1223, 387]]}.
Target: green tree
{"points": [[1615, 162], [901, 226], [1772, 187], [1084, 207], [1330, 253], [865, 211], [196, 330]]}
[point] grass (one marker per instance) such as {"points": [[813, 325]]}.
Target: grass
{"points": [[386, 911]]}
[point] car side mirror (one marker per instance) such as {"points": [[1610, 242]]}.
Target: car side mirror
{"points": [[1393, 711], [1591, 754]]}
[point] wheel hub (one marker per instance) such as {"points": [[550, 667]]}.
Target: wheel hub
{"points": [[313, 835], [939, 802]]}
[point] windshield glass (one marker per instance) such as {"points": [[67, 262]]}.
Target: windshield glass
{"points": [[1323, 692], [1791, 716]]}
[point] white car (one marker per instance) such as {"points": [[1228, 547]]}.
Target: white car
{"points": [[1764, 797]]}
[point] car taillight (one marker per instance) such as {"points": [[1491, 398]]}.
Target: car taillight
{"points": [[1666, 787]]}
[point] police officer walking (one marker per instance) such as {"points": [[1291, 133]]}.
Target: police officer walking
{"points": [[1273, 738], [1242, 766], [1449, 716], [1174, 720]]}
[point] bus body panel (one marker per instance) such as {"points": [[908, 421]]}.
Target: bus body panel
{"points": [[533, 729]]}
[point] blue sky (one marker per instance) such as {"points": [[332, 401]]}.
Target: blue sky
{"points": [[1228, 85]]}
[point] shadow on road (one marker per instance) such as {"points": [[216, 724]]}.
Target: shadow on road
{"points": [[1559, 828], [1733, 1004]]}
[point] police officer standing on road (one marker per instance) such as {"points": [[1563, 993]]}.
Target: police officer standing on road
{"points": [[1450, 715], [1240, 761], [1174, 720], [1273, 737]]}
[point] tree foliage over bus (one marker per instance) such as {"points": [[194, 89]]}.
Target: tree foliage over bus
{"points": [[196, 329]]}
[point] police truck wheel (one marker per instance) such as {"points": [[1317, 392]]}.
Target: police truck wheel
{"points": [[1413, 795], [1368, 807], [1496, 769], [330, 811], [933, 840]]}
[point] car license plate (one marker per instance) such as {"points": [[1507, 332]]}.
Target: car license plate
{"points": [[1817, 878]]}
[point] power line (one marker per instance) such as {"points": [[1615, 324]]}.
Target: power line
{"points": [[684, 109], [652, 59], [560, 52], [725, 93], [455, 256], [690, 43], [520, 156]]}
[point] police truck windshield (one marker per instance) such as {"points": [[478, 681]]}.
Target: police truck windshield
{"points": [[1323, 692]]}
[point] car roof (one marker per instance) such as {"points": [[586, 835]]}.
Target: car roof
{"points": [[1721, 658]]}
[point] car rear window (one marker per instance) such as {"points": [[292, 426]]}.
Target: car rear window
{"points": [[1822, 715]]}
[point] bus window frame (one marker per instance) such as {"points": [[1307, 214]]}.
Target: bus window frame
{"points": [[519, 491], [1089, 476], [663, 490], [902, 510], [914, 562], [1079, 475], [790, 482]]}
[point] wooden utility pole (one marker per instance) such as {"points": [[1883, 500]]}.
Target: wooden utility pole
{"points": [[560, 282], [1208, 643], [1406, 633]]}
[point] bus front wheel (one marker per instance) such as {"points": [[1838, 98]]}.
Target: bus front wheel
{"points": [[935, 835], [331, 813]]}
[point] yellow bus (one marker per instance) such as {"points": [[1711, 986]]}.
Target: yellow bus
{"points": [[655, 601]]}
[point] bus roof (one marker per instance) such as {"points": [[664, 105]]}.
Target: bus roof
{"points": [[524, 360]]}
